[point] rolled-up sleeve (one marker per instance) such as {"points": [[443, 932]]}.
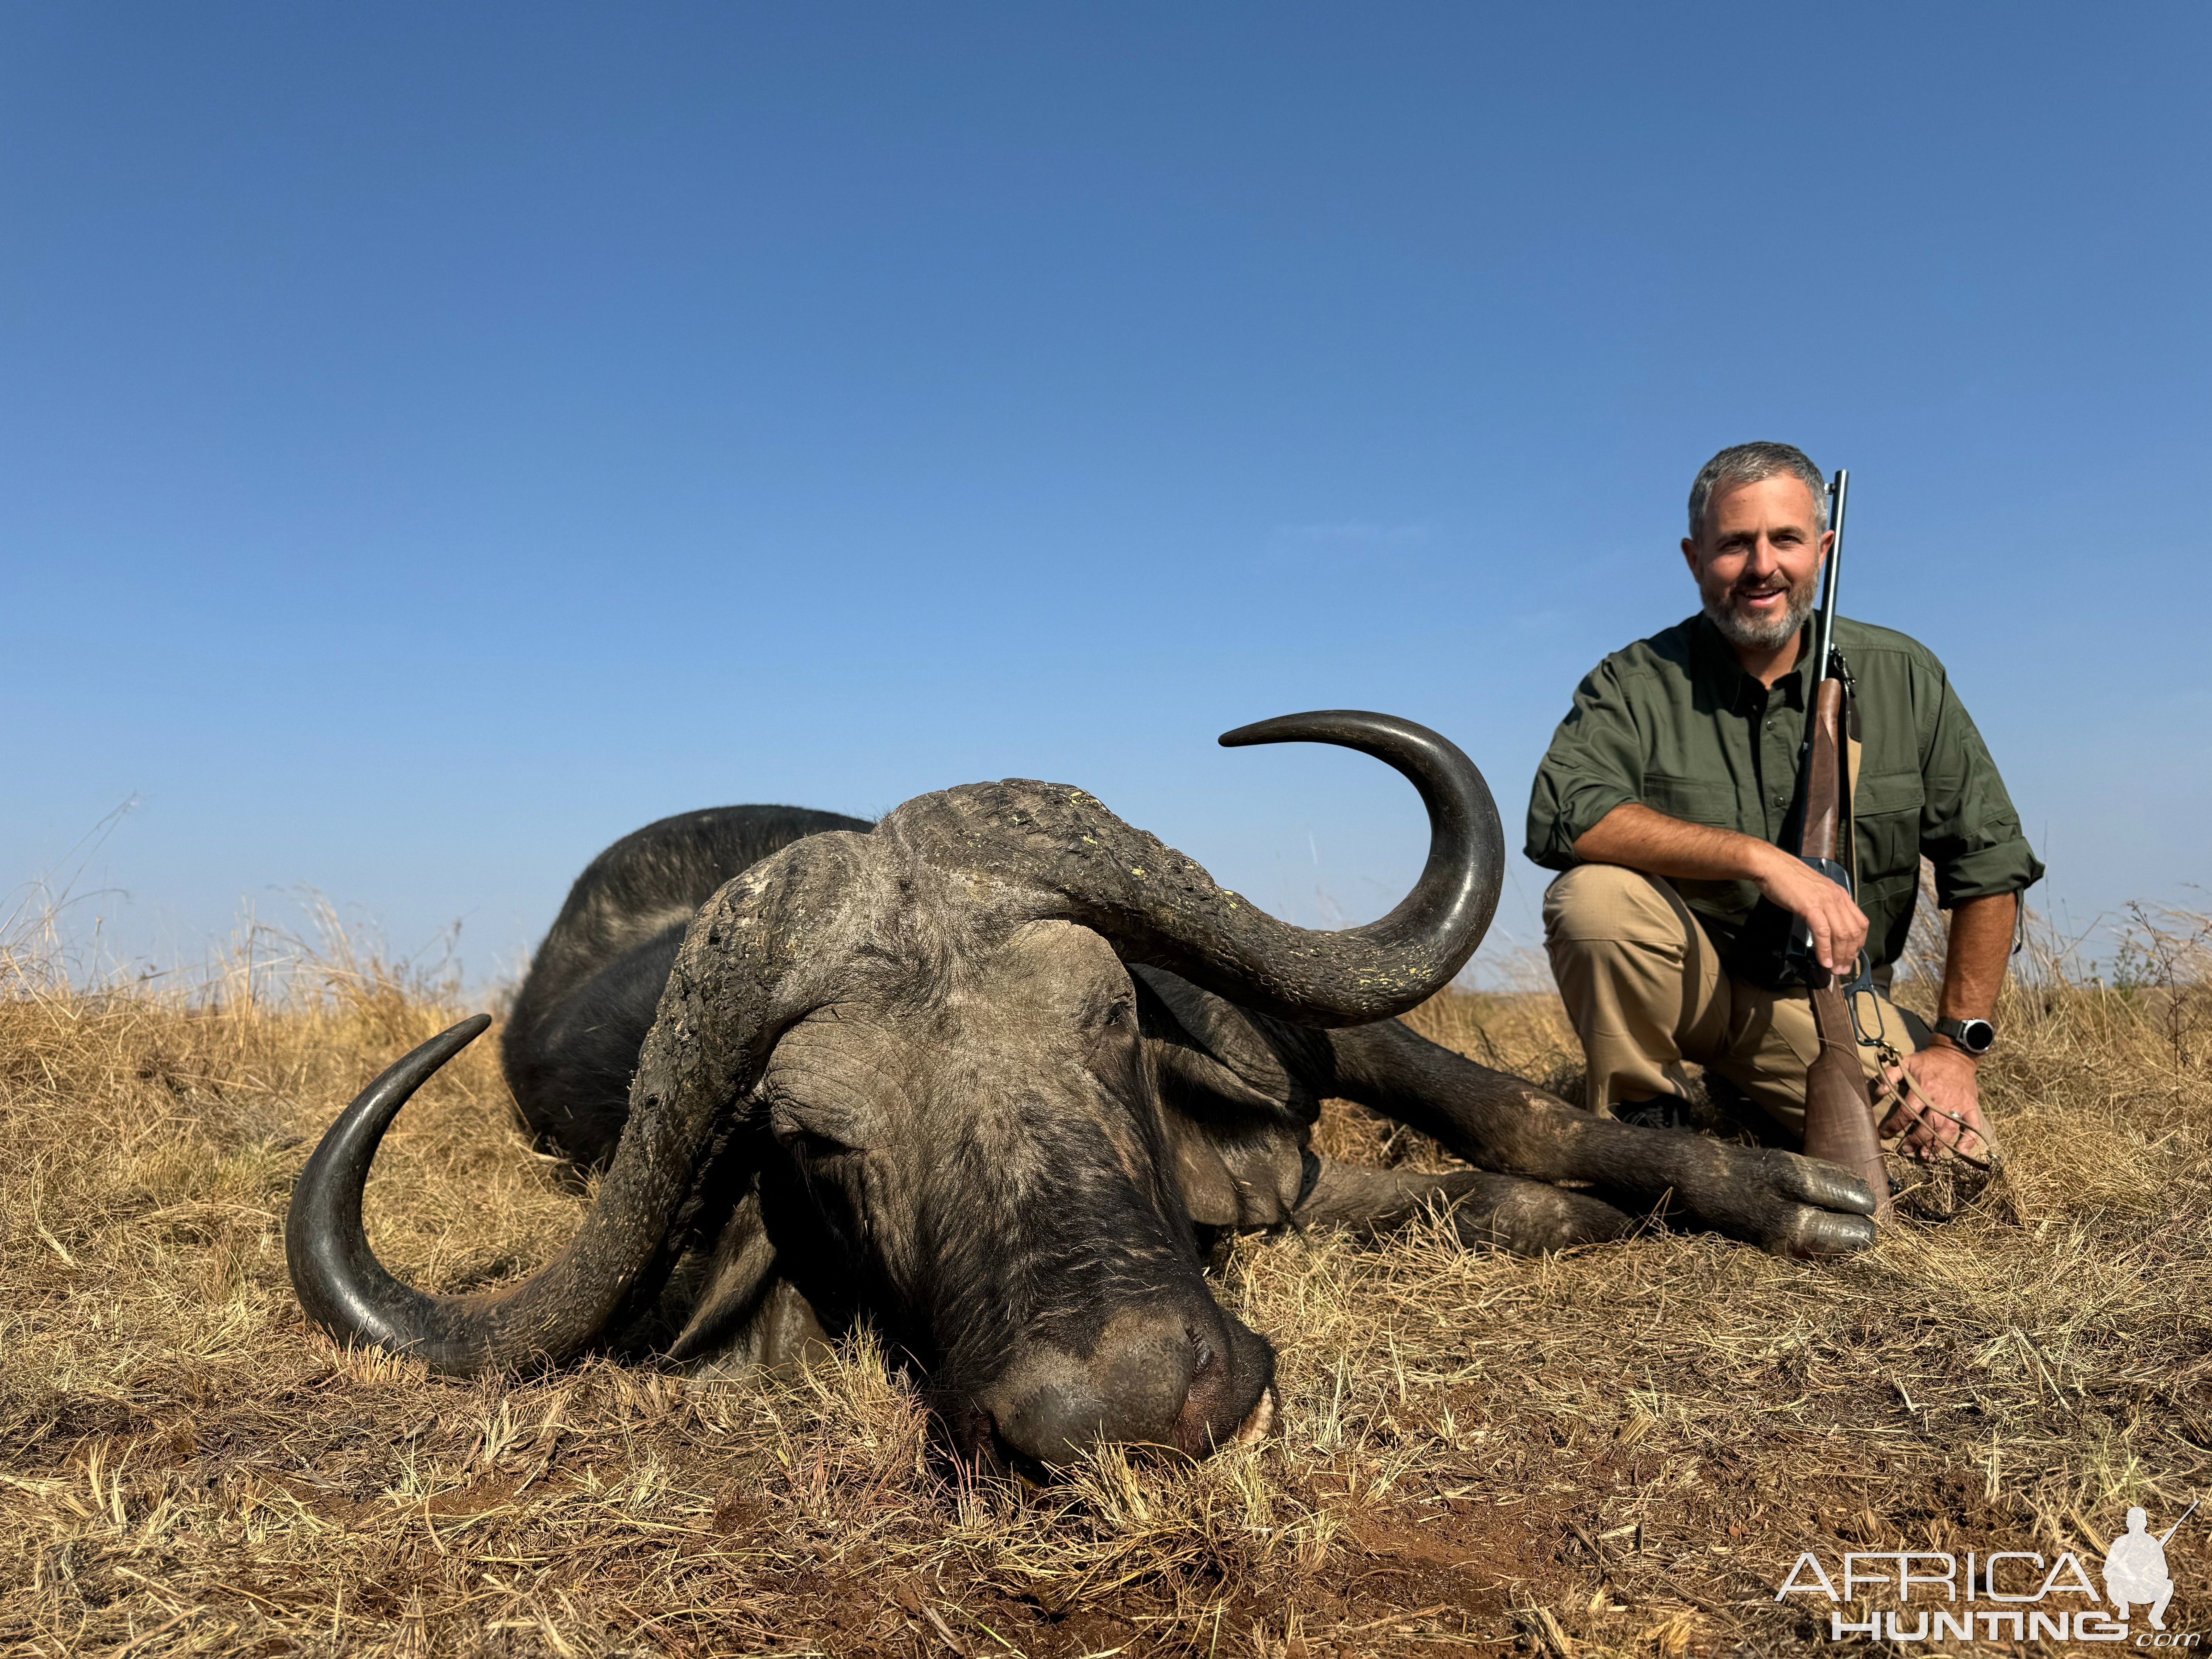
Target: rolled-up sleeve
{"points": [[1596, 763], [1969, 829]]}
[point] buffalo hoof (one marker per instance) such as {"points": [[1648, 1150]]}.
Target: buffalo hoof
{"points": [[1830, 1186], [1822, 1233], [1821, 1209], [1778, 1200]]}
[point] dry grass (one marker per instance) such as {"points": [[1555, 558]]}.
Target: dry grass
{"points": [[1615, 1451]]}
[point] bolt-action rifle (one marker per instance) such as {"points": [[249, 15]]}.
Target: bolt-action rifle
{"points": [[1839, 1122]]}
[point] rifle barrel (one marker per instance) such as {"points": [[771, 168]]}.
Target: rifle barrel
{"points": [[1824, 636]]}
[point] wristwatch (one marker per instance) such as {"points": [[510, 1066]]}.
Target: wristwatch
{"points": [[1976, 1036]]}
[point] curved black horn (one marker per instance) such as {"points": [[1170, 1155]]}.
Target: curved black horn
{"points": [[1449, 911], [340, 1283], [1085, 865], [733, 992]]}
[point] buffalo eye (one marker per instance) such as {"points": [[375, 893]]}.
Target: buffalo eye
{"points": [[803, 1134], [809, 1145], [1115, 1042]]}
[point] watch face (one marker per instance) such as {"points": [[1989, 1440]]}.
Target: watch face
{"points": [[1976, 1036]]}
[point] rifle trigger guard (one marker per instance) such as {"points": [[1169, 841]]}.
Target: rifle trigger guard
{"points": [[1862, 977]]}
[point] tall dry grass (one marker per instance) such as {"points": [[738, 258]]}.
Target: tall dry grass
{"points": [[1619, 1450]]}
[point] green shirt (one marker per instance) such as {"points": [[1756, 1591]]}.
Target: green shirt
{"points": [[1675, 723]]}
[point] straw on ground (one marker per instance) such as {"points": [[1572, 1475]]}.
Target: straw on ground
{"points": [[1619, 1450]]}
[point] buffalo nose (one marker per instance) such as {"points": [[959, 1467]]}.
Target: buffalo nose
{"points": [[1132, 1388]]}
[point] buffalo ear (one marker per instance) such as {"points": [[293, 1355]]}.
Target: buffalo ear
{"points": [[747, 1317], [1238, 1149], [1252, 1179], [1209, 1193], [738, 1276]]}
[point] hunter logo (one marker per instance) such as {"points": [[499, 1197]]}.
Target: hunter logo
{"points": [[2135, 1568], [2016, 1596]]}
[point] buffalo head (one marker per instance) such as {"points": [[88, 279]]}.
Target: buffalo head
{"points": [[910, 1061]]}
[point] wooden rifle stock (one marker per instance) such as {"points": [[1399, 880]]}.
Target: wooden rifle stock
{"points": [[1839, 1123]]}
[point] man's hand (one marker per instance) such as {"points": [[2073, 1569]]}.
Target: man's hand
{"points": [[1945, 1080], [1937, 1105], [1840, 926], [1635, 835]]}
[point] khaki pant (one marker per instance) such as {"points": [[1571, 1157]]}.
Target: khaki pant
{"points": [[1644, 986]]}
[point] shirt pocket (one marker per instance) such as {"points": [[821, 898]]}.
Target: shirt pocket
{"points": [[1887, 806], [1693, 800]]}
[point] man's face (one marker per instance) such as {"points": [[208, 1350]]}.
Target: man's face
{"points": [[1762, 547]]}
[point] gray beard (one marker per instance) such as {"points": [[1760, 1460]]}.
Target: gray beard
{"points": [[1758, 636]]}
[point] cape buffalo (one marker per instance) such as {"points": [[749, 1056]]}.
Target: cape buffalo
{"points": [[993, 1074]]}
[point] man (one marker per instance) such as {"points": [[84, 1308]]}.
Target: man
{"points": [[1666, 795]]}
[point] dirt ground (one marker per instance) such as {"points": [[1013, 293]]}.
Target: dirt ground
{"points": [[1621, 1451]]}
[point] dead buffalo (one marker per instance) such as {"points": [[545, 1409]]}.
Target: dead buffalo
{"points": [[993, 1074]]}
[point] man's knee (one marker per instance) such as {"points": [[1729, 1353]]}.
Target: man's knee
{"points": [[1609, 903]]}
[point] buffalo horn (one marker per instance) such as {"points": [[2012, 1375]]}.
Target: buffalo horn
{"points": [[731, 994], [1085, 865]]}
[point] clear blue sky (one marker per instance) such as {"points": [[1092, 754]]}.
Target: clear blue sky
{"points": [[435, 440]]}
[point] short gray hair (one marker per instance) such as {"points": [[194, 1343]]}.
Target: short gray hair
{"points": [[1743, 464]]}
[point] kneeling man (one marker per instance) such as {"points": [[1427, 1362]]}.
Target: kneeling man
{"points": [[1665, 799]]}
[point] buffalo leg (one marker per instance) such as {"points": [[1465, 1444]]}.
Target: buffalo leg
{"points": [[1790, 1205], [1525, 1217]]}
